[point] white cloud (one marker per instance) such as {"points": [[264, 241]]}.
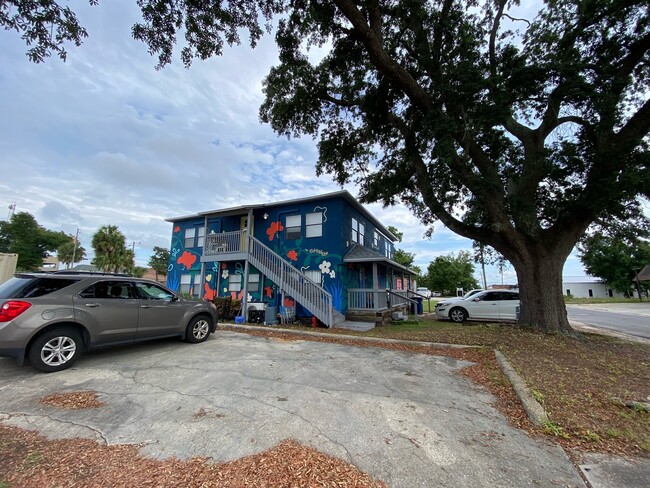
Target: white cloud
{"points": [[104, 138]]}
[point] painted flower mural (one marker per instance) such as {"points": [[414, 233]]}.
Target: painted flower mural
{"points": [[225, 273], [209, 292], [325, 267], [187, 259], [177, 229], [274, 228], [293, 255]]}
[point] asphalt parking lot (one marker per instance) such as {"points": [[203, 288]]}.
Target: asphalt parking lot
{"points": [[404, 418]]}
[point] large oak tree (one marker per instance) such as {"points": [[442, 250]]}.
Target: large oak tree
{"points": [[514, 132]]}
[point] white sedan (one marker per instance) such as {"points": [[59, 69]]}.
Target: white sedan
{"points": [[485, 305]]}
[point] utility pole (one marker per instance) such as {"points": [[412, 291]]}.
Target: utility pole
{"points": [[74, 249]]}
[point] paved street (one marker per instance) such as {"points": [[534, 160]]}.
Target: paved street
{"points": [[629, 318], [405, 418]]}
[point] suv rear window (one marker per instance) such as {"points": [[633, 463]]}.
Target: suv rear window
{"points": [[32, 286]]}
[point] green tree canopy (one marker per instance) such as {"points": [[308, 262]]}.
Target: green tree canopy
{"points": [[614, 259], [616, 250], [110, 249], [70, 252], [517, 133], [32, 242], [447, 273], [159, 260]]}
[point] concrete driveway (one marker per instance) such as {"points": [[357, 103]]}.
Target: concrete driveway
{"points": [[404, 418]]}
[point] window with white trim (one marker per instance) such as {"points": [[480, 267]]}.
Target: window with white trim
{"points": [[313, 275], [314, 224], [189, 236], [201, 237], [186, 284], [253, 282], [234, 282], [293, 225], [358, 231], [375, 239]]}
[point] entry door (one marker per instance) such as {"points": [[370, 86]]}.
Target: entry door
{"points": [[243, 227]]}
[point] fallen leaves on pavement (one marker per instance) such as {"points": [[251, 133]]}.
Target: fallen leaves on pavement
{"points": [[30, 460]]}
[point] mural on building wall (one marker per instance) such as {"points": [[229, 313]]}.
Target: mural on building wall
{"points": [[210, 284], [182, 261], [226, 271], [335, 276]]}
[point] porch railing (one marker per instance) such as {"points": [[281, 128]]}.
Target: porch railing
{"points": [[367, 299], [374, 299]]}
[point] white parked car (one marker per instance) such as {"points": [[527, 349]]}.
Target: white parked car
{"points": [[484, 305], [425, 292], [466, 295]]}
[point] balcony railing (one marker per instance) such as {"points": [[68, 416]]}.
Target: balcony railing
{"points": [[224, 243]]}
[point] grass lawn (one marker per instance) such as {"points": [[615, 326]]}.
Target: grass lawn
{"points": [[583, 383]]}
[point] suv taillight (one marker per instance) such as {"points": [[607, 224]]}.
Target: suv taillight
{"points": [[12, 309]]}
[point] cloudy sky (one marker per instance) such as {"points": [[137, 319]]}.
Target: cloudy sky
{"points": [[104, 138]]}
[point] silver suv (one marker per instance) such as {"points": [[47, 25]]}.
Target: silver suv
{"points": [[51, 318]]}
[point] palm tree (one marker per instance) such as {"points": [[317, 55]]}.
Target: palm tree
{"points": [[110, 249]]}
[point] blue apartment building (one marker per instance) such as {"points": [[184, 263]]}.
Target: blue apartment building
{"points": [[325, 255]]}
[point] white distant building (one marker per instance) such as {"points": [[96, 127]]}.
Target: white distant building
{"points": [[588, 287]]}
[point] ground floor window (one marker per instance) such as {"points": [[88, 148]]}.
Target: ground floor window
{"points": [[253, 282], [186, 284], [234, 282]]}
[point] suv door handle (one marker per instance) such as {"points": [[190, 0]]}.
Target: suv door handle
{"points": [[92, 305]]}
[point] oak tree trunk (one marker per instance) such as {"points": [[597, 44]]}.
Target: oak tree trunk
{"points": [[539, 274]]}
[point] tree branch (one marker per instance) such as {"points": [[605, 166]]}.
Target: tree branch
{"points": [[635, 129], [382, 61]]}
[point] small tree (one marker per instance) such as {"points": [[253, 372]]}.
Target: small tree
{"points": [[69, 252], [447, 273], [22, 235], [159, 261]]}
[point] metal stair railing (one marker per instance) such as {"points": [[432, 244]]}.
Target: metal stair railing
{"points": [[292, 281]]}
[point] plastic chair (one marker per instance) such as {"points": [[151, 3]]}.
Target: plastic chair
{"points": [[287, 315]]}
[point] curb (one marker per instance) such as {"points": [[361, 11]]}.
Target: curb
{"points": [[535, 411], [237, 327]]}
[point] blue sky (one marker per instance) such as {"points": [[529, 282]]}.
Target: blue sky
{"points": [[104, 138]]}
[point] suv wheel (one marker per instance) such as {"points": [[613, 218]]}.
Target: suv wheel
{"points": [[198, 329], [458, 315], [56, 349]]}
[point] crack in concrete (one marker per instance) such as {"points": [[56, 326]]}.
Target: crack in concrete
{"points": [[27, 416]]}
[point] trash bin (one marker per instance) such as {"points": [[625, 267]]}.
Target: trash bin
{"points": [[271, 315], [419, 308]]}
